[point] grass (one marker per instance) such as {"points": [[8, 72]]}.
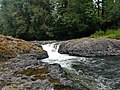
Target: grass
{"points": [[110, 33]]}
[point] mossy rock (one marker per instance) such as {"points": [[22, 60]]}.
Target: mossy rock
{"points": [[10, 47]]}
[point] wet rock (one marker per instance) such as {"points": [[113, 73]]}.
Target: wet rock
{"points": [[91, 47], [66, 82], [21, 68], [61, 87], [56, 71], [2, 83]]}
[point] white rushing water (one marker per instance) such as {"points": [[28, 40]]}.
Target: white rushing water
{"points": [[68, 62], [84, 65], [54, 57]]}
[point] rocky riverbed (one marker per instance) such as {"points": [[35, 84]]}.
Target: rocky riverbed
{"points": [[21, 68], [28, 73]]}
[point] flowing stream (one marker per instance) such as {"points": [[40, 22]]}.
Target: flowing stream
{"points": [[87, 73]]}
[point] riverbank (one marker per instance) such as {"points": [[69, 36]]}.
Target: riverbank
{"points": [[21, 68], [27, 71], [113, 34]]}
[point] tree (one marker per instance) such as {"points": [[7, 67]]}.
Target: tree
{"points": [[27, 18], [75, 19], [108, 12], [111, 14], [57, 19]]}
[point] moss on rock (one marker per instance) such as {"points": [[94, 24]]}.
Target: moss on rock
{"points": [[10, 47]]}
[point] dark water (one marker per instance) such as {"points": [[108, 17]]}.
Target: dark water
{"points": [[98, 73], [88, 73]]}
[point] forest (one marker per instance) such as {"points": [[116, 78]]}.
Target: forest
{"points": [[58, 19]]}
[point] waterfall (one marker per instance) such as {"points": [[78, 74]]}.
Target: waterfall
{"points": [[54, 57], [90, 72]]}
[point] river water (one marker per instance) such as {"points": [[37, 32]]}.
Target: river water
{"points": [[102, 73]]}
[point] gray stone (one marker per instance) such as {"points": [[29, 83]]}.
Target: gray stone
{"points": [[91, 47], [36, 85], [2, 83], [19, 74]]}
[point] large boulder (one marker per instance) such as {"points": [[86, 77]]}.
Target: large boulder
{"points": [[11, 47], [91, 47]]}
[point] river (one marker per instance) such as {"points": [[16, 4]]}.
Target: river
{"points": [[98, 73]]}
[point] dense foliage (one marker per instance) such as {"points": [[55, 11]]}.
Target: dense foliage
{"points": [[57, 19]]}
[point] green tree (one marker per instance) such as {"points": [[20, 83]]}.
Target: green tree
{"points": [[57, 19], [109, 13], [76, 18], [27, 18]]}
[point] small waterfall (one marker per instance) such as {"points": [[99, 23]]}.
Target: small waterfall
{"points": [[89, 72], [54, 57]]}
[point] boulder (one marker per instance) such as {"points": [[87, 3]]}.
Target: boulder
{"points": [[11, 47], [90, 47]]}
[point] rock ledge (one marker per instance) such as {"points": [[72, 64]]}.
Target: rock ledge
{"points": [[10, 47], [90, 47]]}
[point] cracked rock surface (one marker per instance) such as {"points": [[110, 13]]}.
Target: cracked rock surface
{"points": [[28, 73], [90, 47]]}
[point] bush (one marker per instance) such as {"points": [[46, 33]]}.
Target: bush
{"points": [[114, 34], [98, 34]]}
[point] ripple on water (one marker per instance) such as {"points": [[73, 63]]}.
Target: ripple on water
{"points": [[104, 71]]}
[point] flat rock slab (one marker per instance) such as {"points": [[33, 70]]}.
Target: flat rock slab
{"points": [[28, 73], [90, 47]]}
